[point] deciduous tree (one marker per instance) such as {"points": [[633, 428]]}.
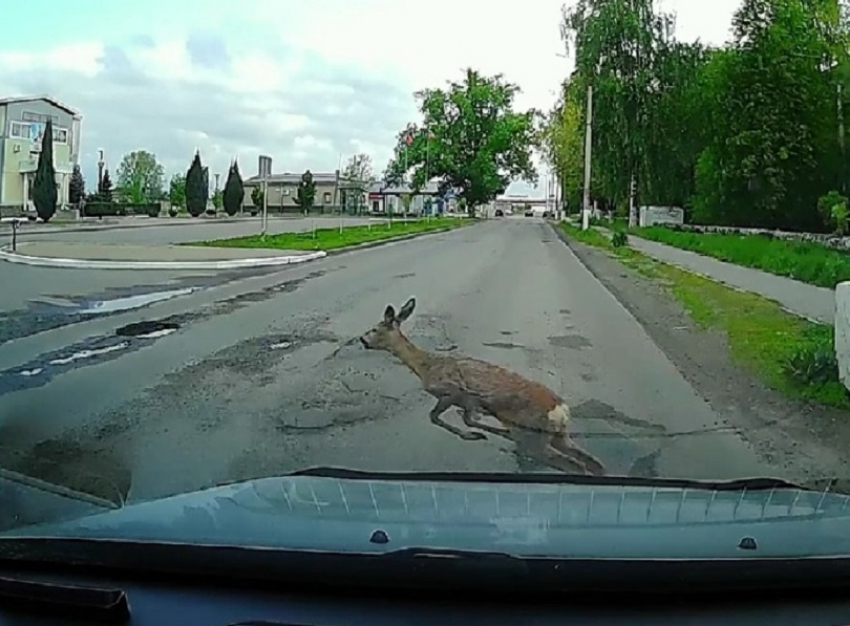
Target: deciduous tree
{"points": [[470, 139]]}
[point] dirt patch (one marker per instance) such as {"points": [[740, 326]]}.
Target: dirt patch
{"points": [[805, 439]]}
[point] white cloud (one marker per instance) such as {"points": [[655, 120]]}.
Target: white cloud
{"points": [[303, 82]]}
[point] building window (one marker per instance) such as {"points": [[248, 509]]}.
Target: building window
{"points": [[29, 116], [33, 131], [327, 197]]}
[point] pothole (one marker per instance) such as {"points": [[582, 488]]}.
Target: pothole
{"points": [[147, 329]]}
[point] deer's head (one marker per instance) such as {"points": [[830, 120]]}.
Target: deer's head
{"points": [[388, 331]]}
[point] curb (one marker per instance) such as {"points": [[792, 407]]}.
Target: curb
{"points": [[228, 264]]}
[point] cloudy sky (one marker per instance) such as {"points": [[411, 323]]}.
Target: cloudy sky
{"points": [[306, 82]]}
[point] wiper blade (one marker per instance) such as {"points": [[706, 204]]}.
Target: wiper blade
{"points": [[85, 603], [59, 490], [744, 484]]}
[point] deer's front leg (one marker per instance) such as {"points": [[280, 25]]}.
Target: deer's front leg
{"points": [[443, 403]]}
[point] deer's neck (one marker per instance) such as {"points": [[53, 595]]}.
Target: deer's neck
{"points": [[412, 356]]}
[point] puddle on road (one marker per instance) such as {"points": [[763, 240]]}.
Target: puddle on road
{"points": [[88, 354], [148, 329], [52, 311], [95, 307]]}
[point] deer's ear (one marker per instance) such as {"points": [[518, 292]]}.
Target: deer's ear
{"points": [[407, 310], [389, 314]]}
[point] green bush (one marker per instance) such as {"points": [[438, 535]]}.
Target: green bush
{"points": [[814, 363], [833, 211], [113, 209], [103, 209], [151, 209], [620, 239]]}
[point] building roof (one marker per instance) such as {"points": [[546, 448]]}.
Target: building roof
{"points": [[46, 98]]}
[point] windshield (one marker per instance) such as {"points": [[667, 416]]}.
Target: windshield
{"points": [[599, 239]]}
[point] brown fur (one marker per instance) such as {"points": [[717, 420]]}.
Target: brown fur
{"points": [[528, 410]]}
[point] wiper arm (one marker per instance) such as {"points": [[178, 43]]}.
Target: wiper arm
{"points": [[744, 484], [65, 492], [85, 603]]}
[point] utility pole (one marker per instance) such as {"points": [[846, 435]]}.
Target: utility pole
{"points": [[588, 146], [265, 205], [841, 138]]}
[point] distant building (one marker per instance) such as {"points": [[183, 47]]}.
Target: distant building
{"points": [[385, 198], [22, 124], [332, 191]]}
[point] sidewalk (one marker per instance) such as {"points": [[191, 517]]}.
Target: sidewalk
{"points": [[809, 301], [83, 255]]}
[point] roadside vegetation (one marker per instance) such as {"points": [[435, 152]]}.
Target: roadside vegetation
{"points": [[749, 133], [786, 352], [804, 261], [340, 237]]}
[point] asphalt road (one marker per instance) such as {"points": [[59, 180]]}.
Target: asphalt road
{"points": [[25, 287], [256, 375]]}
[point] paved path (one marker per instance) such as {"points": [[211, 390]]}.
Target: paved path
{"points": [[814, 303], [260, 376]]}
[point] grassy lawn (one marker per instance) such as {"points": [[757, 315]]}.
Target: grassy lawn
{"points": [[787, 352], [336, 237], [806, 262]]}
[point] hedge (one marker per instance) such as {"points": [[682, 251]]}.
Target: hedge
{"points": [[112, 209]]}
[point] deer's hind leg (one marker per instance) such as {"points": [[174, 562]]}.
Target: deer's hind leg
{"points": [[472, 420], [556, 451], [560, 446], [443, 404]]}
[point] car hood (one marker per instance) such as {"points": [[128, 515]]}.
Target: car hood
{"points": [[532, 516]]}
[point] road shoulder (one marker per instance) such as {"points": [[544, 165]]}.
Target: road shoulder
{"points": [[804, 438]]}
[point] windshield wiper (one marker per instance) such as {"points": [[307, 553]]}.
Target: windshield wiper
{"points": [[59, 490], [84, 603], [743, 484]]}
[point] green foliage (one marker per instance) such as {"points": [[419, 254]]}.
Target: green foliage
{"points": [[44, 192], [234, 191], [76, 187], [140, 177], [620, 239], [807, 262], [112, 209], [334, 238], [196, 188], [749, 134], [305, 195], [257, 197], [177, 191], [832, 209], [105, 189], [470, 139], [218, 199], [814, 362], [839, 217]]}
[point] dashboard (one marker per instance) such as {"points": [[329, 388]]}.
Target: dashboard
{"points": [[38, 598]]}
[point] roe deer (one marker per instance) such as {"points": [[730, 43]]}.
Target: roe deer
{"points": [[530, 412]]}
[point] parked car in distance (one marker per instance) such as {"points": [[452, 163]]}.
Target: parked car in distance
{"points": [[500, 213], [529, 213]]}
